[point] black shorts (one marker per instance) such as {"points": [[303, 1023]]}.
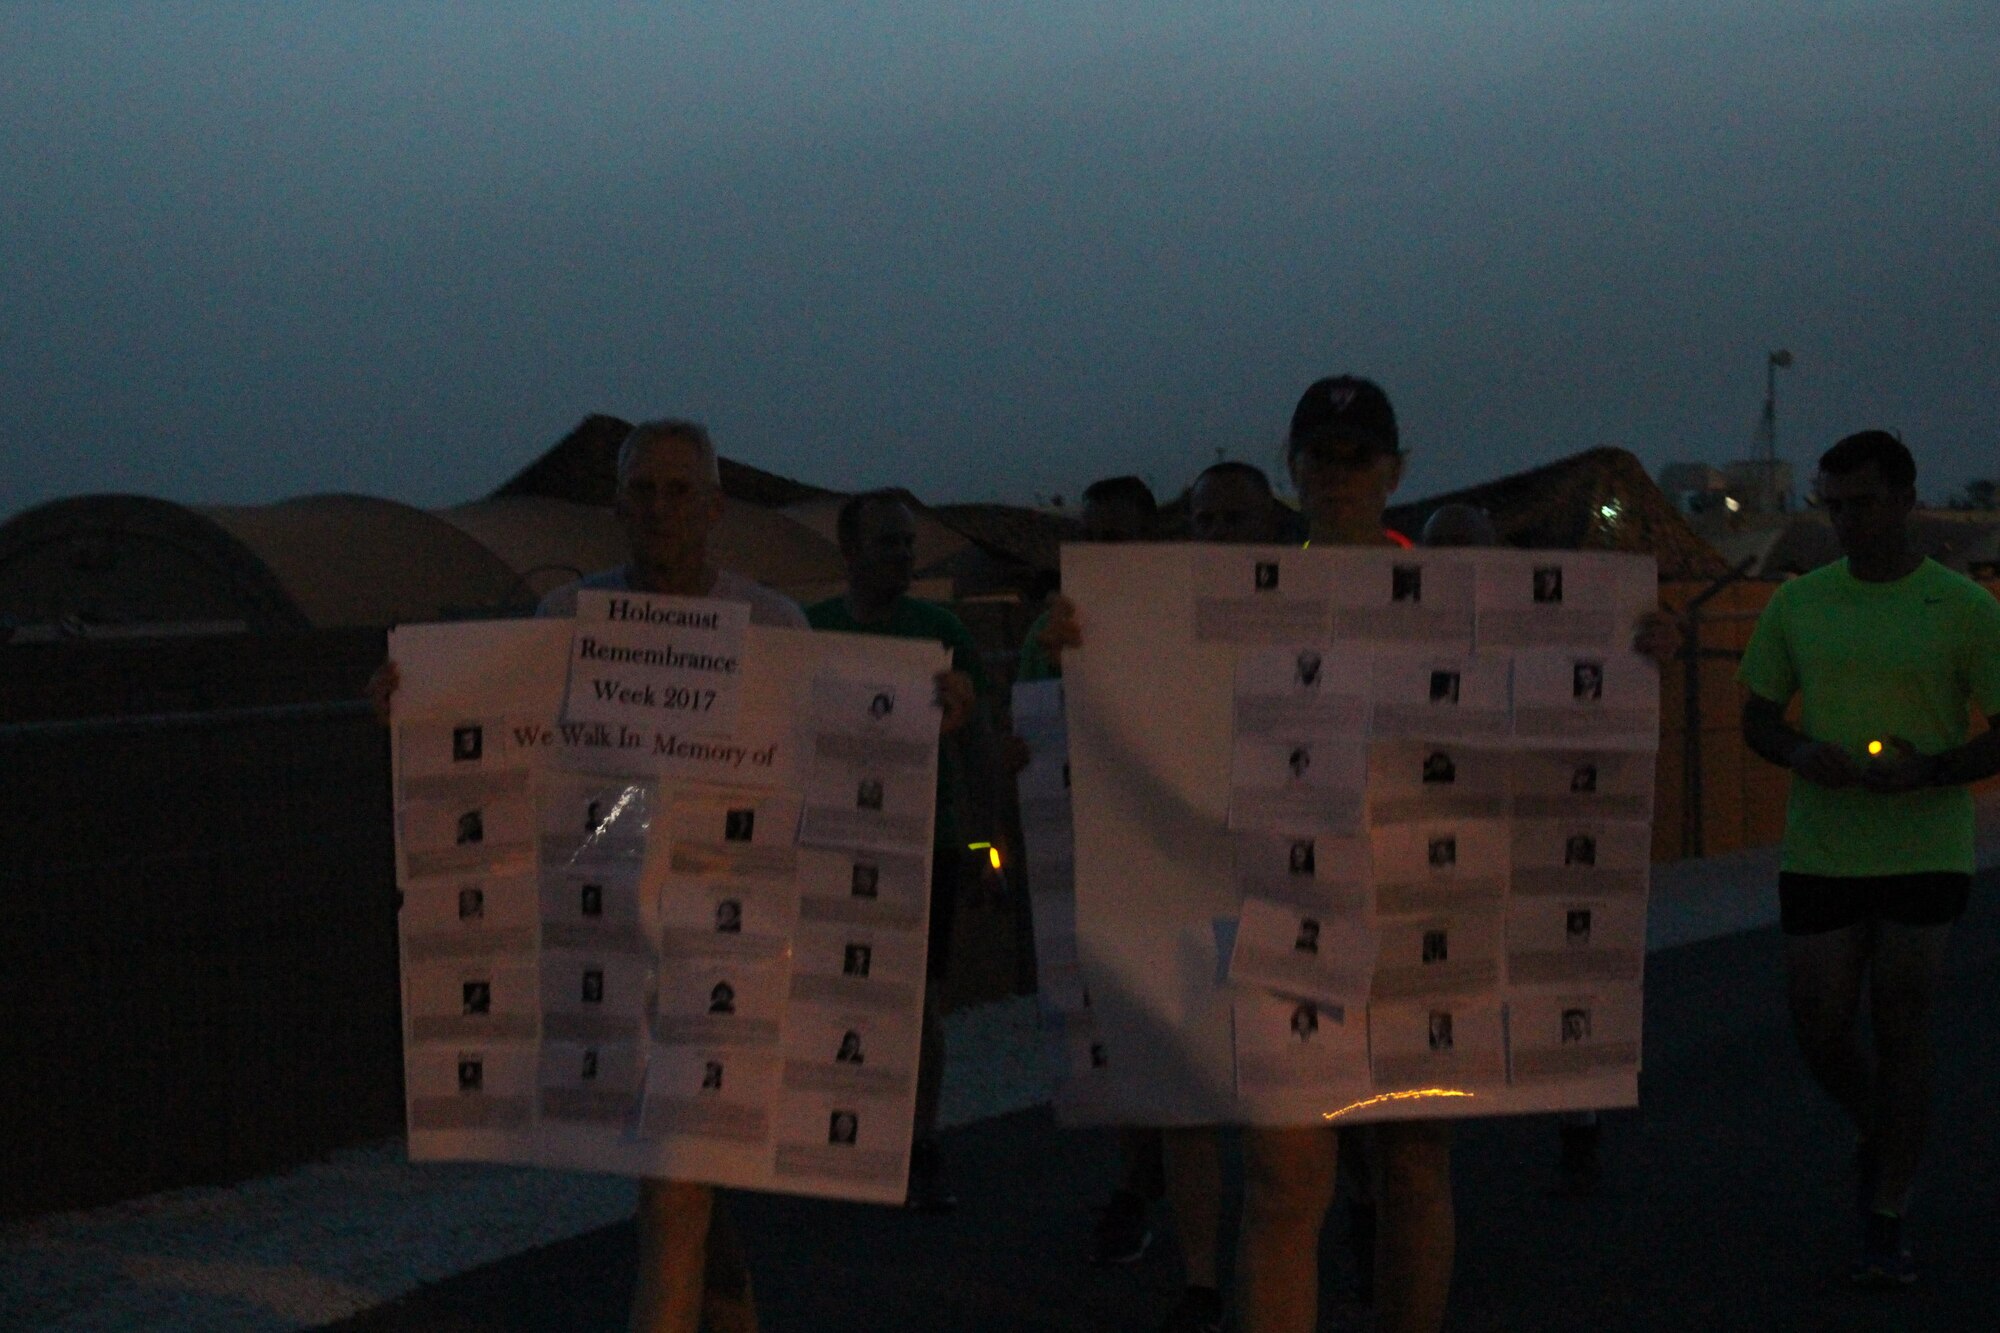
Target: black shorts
{"points": [[1815, 904]]}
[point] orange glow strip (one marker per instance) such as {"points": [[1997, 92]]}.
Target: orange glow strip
{"points": [[1411, 1095]]}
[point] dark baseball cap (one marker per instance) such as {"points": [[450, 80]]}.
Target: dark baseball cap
{"points": [[1347, 417]]}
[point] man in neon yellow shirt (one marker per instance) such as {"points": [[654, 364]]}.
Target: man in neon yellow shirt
{"points": [[1886, 651]]}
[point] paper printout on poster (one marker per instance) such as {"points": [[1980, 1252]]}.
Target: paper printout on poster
{"points": [[473, 1000], [741, 834], [1296, 783], [842, 1145], [1440, 865], [856, 966], [712, 1093], [1404, 597], [1414, 779], [1567, 1034], [1333, 874], [1325, 957], [850, 1050], [1259, 594], [1447, 953], [471, 1101], [747, 917], [1456, 1044], [1586, 856], [1530, 599], [1586, 784], [470, 916], [1297, 1045], [460, 757], [1605, 700], [492, 834], [592, 820], [593, 907], [896, 713], [871, 782], [1570, 941], [593, 997], [591, 1083], [642, 661], [721, 1001], [1308, 689], [863, 887], [1440, 696]]}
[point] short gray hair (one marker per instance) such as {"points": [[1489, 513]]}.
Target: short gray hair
{"points": [[670, 428]]}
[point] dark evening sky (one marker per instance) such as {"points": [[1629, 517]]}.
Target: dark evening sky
{"points": [[986, 251]]}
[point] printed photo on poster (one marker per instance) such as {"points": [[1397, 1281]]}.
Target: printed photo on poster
{"points": [[1453, 1043], [1260, 595], [1404, 597], [1423, 779], [1286, 1044], [1433, 697], [1304, 953]]}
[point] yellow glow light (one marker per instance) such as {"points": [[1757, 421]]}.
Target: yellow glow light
{"points": [[1874, 747], [992, 852], [1411, 1095]]}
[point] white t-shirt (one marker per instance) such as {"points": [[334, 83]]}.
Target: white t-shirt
{"points": [[767, 607]]}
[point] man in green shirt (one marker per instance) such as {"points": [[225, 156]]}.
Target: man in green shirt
{"points": [[1886, 651], [878, 541]]}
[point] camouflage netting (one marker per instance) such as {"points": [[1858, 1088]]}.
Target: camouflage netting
{"points": [[1598, 500], [583, 468]]}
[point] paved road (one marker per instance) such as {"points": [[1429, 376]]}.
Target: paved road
{"points": [[1727, 1206]]}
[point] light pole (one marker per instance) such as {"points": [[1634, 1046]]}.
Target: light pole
{"points": [[1767, 428]]}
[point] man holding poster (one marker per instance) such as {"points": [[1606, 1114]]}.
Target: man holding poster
{"points": [[878, 542], [1885, 650], [1345, 457], [668, 501]]}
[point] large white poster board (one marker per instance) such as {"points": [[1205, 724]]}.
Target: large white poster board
{"points": [[652, 945], [1351, 832]]}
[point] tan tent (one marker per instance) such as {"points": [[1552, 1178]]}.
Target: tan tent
{"points": [[549, 542], [351, 560], [322, 562]]}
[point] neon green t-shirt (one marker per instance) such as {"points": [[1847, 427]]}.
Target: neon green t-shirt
{"points": [[1870, 661]]}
